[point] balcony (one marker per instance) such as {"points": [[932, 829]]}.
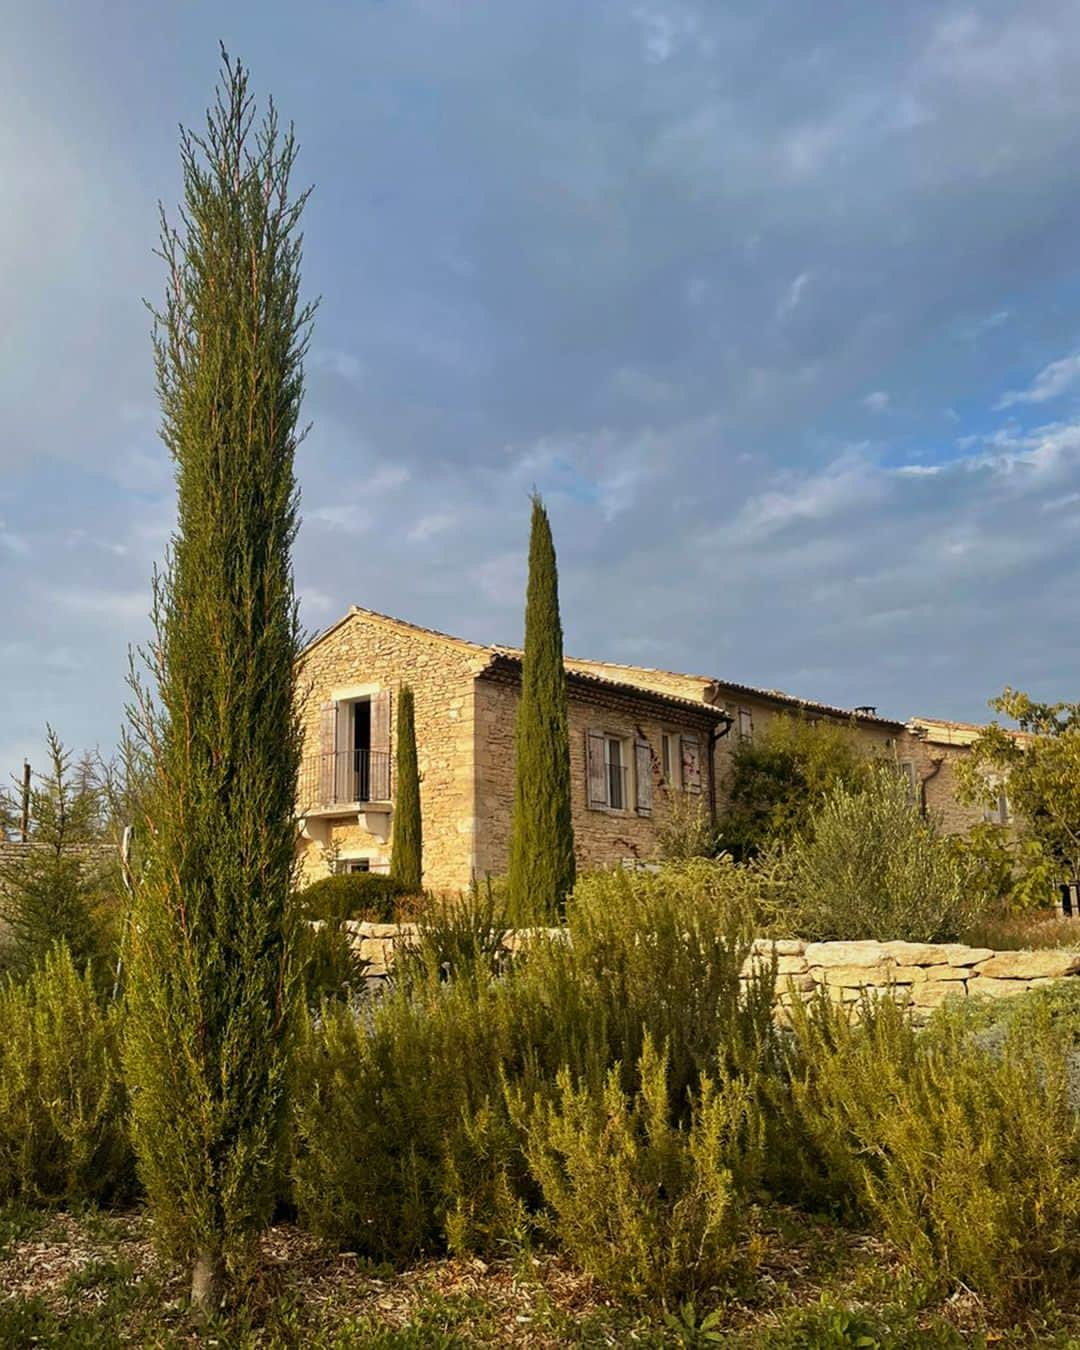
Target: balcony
{"points": [[344, 782]]}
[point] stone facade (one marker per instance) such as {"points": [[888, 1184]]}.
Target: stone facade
{"points": [[466, 703], [750, 711], [602, 835], [466, 707], [365, 655]]}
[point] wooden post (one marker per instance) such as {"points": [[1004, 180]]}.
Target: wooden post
{"points": [[25, 800]]}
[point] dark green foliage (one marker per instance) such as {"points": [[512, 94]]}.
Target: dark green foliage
{"points": [[780, 777], [63, 1131], [461, 937], [332, 970], [63, 885], [352, 895], [212, 975], [407, 843], [541, 873]]}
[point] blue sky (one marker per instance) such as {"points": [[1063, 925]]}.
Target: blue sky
{"points": [[776, 304]]}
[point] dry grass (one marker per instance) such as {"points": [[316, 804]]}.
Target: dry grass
{"points": [[1025, 932], [93, 1281]]}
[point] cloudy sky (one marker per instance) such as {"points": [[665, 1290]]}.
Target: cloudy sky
{"points": [[776, 304]]}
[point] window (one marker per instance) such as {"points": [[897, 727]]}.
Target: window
{"points": [[608, 763], [690, 763], [613, 756], [671, 759], [911, 779], [746, 724], [354, 756], [357, 865], [997, 811]]}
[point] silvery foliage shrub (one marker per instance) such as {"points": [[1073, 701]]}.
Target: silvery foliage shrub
{"points": [[872, 866]]}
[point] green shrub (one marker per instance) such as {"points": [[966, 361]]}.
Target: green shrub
{"points": [[332, 970], [652, 1210], [966, 1156], [352, 895], [685, 829], [405, 1143], [462, 938], [875, 867], [403, 1147], [780, 777], [661, 953], [63, 1136]]}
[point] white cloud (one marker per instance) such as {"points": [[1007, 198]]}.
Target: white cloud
{"points": [[1058, 378], [348, 518], [792, 296], [340, 363], [430, 525], [113, 606], [877, 402], [387, 478]]}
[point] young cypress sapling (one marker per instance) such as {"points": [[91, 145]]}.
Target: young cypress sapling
{"points": [[212, 976], [406, 852]]}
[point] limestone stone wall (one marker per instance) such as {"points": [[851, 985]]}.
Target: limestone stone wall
{"points": [[371, 650], [601, 837], [920, 975]]}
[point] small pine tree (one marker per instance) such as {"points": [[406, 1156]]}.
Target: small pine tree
{"points": [[542, 833], [213, 977], [54, 888], [407, 846]]}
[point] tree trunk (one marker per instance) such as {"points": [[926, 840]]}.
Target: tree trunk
{"points": [[207, 1285]]}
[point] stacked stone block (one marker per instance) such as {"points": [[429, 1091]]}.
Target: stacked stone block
{"points": [[919, 975]]}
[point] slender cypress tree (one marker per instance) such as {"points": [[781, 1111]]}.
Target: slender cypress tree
{"points": [[542, 832], [212, 980], [407, 845]]}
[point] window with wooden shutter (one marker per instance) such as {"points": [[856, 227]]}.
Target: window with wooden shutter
{"points": [[691, 763], [327, 746], [344, 759], [380, 746], [671, 757], [643, 777], [596, 768]]}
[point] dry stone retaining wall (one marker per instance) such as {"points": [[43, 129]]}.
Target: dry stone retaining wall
{"points": [[920, 975]]}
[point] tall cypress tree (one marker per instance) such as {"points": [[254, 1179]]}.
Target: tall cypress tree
{"points": [[542, 832], [211, 973], [407, 842]]}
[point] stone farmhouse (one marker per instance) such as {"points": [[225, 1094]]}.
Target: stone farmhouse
{"points": [[638, 737]]}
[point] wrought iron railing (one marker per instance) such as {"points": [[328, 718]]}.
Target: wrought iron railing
{"points": [[344, 777]]}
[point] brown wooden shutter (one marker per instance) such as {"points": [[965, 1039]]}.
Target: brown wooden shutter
{"points": [[596, 772], [380, 746], [344, 758], [643, 777], [691, 763], [327, 745]]}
